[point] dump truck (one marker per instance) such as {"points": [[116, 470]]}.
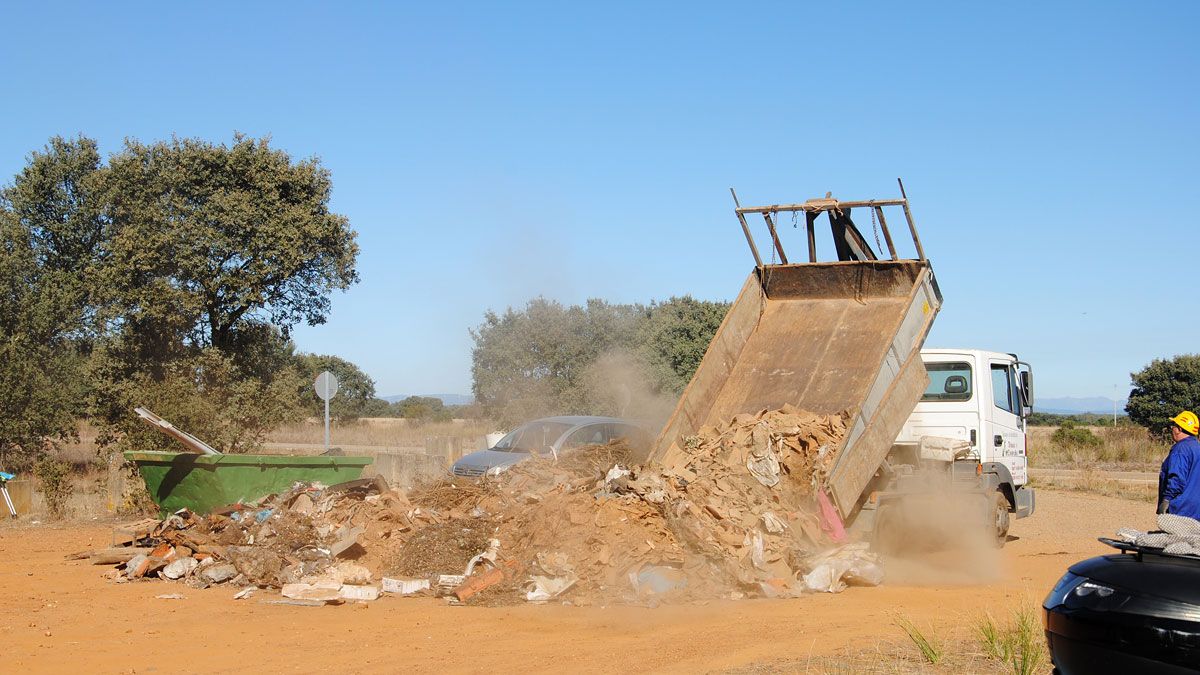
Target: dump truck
{"points": [[844, 336]]}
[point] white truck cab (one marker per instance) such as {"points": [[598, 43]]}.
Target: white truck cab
{"points": [[967, 433], [981, 398]]}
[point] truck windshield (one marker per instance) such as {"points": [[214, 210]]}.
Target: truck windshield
{"points": [[949, 382]]}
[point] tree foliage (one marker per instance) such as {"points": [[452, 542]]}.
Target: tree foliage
{"points": [[208, 238], [44, 267], [1162, 389], [41, 390], [356, 390], [599, 358], [174, 272], [423, 408], [675, 336], [532, 362]]}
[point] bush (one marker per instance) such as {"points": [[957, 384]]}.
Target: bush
{"points": [[55, 478], [1072, 436]]}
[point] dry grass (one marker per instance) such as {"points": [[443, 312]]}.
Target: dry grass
{"points": [[1019, 644], [1125, 448], [930, 646], [381, 432], [1016, 647], [90, 497], [1093, 481]]}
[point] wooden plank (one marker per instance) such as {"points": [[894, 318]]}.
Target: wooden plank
{"points": [[110, 556], [133, 531]]}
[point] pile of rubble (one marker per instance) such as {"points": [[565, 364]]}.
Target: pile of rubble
{"points": [[736, 513]]}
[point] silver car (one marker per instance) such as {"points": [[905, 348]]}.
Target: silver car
{"points": [[549, 437]]}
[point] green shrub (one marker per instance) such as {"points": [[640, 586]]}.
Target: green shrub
{"points": [[1072, 436], [57, 488]]}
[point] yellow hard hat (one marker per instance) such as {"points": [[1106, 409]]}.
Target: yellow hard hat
{"points": [[1187, 421]]}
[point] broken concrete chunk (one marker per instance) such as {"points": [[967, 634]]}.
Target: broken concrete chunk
{"points": [[301, 602], [134, 562], [303, 504], [360, 593], [405, 586], [218, 573], [344, 538], [323, 591], [179, 568]]}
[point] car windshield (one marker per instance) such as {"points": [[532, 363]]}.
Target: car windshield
{"points": [[532, 436]]}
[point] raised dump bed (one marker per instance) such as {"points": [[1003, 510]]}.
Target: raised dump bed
{"points": [[827, 337], [204, 482]]}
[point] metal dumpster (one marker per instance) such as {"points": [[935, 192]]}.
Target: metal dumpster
{"points": [[204, 482]]}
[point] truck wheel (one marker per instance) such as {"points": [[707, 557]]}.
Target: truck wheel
{"points": [[887, 537], [1000, 517]]}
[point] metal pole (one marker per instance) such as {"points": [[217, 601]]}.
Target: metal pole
{"points": [[326, 416], [746, 230], [911, 226], [12, 510], [775, 237]]}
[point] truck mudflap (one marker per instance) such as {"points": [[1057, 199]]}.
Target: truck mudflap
{"points": [[1025, 501], [1020, 498]]}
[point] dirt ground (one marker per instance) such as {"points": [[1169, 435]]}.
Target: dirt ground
{"points": [[59, 614]]}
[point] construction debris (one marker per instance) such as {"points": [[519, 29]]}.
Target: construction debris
{"points": [[735, 514]]}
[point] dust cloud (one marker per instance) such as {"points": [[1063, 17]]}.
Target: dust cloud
{"points": [[940, 537], [617, 384]]}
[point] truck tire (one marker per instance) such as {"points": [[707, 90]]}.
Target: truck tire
{"points": [[888, 536], [999, 517]]}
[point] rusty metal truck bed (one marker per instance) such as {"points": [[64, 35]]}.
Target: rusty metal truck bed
{"points": [[827, 337]]}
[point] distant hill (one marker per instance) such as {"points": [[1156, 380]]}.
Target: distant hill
{"points": [[1071, 405], [448, 399]]}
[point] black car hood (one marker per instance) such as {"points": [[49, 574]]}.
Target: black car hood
{"points": [[1171, 577]]}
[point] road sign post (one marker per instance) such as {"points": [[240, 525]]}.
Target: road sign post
{"points": [[326, 385]]}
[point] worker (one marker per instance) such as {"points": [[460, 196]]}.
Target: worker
{"points": [[1179, 479]]}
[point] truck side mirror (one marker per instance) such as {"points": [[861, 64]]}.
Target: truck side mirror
{"points": [[1026, 393]]}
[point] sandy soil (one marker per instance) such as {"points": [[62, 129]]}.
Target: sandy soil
{"points": [[58, 614]]}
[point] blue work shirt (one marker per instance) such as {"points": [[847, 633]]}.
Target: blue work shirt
{"points": [[1179, 479]]}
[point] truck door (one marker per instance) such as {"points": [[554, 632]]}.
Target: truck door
{"points": [[1006, 443]]}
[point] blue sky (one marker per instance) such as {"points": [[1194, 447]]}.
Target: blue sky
{"points": [[488, 153]]}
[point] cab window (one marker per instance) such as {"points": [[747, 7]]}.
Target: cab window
{"points": [[948, 382], [1002, 388]]}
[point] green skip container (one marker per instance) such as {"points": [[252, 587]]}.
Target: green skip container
{"points": [[202, 483]]}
